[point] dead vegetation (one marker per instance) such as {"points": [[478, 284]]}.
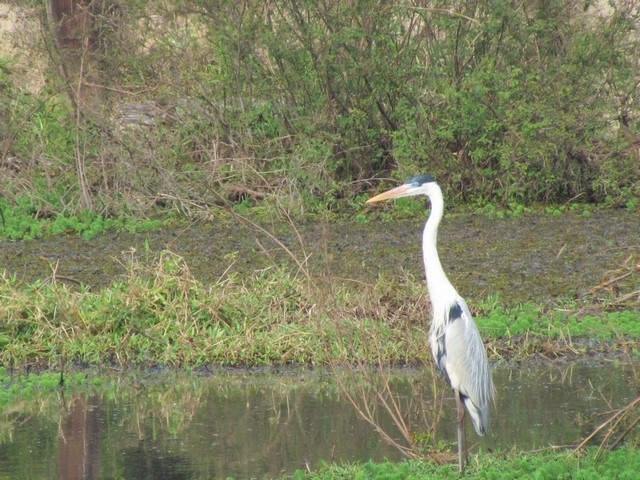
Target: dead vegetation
{"points": [[620, 286]]}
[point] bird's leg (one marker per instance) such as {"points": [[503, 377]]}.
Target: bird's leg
{"points": [[462, 437]]}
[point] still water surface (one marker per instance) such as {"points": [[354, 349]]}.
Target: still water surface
{"points": [[263, 424]]}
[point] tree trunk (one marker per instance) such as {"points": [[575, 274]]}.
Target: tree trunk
{"points": [[72, 23]]}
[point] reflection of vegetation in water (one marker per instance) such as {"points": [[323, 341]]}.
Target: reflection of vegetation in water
{"points": [[244, 418], [404, 411], [258, 420], [22, 396], [167, 401], [150, 401]]}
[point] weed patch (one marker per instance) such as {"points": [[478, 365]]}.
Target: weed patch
{"points": [[619, 464], [30, 218], [159, 314]]}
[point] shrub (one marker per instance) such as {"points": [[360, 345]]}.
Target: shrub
{"points": [[506, 103]]}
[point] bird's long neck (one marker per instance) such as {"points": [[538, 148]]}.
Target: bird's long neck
{"points": [[437, 282]]}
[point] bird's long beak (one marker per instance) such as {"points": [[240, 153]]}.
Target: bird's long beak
{"points": [[401, 191]]}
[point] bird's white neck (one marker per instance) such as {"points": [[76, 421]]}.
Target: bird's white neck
{"points": [[437, 282]]}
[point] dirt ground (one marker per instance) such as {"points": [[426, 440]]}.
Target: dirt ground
{"points": [[22, 47]]}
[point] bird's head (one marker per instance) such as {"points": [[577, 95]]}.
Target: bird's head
{"points": [[418, 185]]}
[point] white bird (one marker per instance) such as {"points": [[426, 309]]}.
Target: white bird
{"points": [[456, 344]]}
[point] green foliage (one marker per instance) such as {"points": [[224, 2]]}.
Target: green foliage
{"points": [[535, 322], [29, 219], [508, 104], [159, 314], [487, 91], [34, 127], [622, 463]]}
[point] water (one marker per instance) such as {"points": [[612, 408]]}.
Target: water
{"points": [[265, 424]]}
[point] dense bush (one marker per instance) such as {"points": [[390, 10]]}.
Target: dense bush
{"points": [[503, 102]]}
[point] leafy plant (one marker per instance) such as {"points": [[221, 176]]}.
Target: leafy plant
{"points": [[509, 105], [158, 313], [618, 464], [26, 221]]}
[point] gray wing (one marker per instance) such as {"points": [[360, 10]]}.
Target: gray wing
{"points": [[461, 356]]}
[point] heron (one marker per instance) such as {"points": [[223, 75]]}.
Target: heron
{"points": [[456, 344]]}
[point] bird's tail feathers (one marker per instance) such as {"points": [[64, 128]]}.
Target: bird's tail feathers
{"points": [[479, 416]]}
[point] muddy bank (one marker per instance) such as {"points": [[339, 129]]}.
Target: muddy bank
{"points": [[535, 257]]}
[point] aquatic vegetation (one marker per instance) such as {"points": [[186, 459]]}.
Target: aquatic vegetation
{"points": [[532, 320]]}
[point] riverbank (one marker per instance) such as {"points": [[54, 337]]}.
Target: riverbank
{"points": [[157, 313], [619, 464], [537, 258]]}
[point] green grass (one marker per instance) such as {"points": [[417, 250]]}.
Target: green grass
{"points": [[530, 319], [571, 329], [159, 314], [622, 464]]}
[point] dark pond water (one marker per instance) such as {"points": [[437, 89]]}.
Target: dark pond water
{"points": [[534, 257], [266, 424]]}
